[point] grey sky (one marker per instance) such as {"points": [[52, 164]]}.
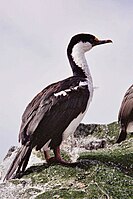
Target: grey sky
{"points": [[33, 38]]}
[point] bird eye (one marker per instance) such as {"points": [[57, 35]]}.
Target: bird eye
{"points": [[93, 39]]}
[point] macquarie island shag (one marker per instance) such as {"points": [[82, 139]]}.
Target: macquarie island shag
{"points": [[58, 109]]}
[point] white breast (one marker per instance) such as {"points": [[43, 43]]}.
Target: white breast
{"points": [[74, 124], [130, 127]]}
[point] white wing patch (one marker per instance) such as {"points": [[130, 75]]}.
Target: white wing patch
{"points": [[65, 92], [85, 83], [60, 93]]}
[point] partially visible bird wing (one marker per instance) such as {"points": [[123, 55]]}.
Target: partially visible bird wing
{"points": [[31, 111], [51, 108], [126, 108]]}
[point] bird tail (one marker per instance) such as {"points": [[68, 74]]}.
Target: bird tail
{"points": [[122, 136], [19, 163]]}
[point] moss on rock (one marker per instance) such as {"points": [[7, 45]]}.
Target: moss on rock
{"points": [[117, 155], [104, 173]]}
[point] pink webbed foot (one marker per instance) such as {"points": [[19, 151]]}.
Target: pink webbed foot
{"points": [[58, 159]]}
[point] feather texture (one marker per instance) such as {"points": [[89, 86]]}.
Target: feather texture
{"points": [[125, 116]]}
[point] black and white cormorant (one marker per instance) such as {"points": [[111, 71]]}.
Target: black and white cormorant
{"points": [[125, 117], [58, 109]]}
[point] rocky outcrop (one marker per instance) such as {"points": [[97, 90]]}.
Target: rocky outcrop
{"points": [[105, 169]]}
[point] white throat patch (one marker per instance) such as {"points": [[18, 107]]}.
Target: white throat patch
{"points": [[79, 50], [78, 56], [81, 47]]}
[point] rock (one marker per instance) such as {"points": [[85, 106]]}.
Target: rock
{"points": [[10, 151], [105, 171], [34, 159], [96, 144]]}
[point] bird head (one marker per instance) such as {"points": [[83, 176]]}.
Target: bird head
{"points": [[86, 41]]}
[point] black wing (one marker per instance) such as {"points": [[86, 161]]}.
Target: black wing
{"points": [[51, 111], [126, 109], [31, 111]]}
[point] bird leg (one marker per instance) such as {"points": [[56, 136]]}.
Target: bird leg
{"points": [[57, 159], [122, 136]]}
